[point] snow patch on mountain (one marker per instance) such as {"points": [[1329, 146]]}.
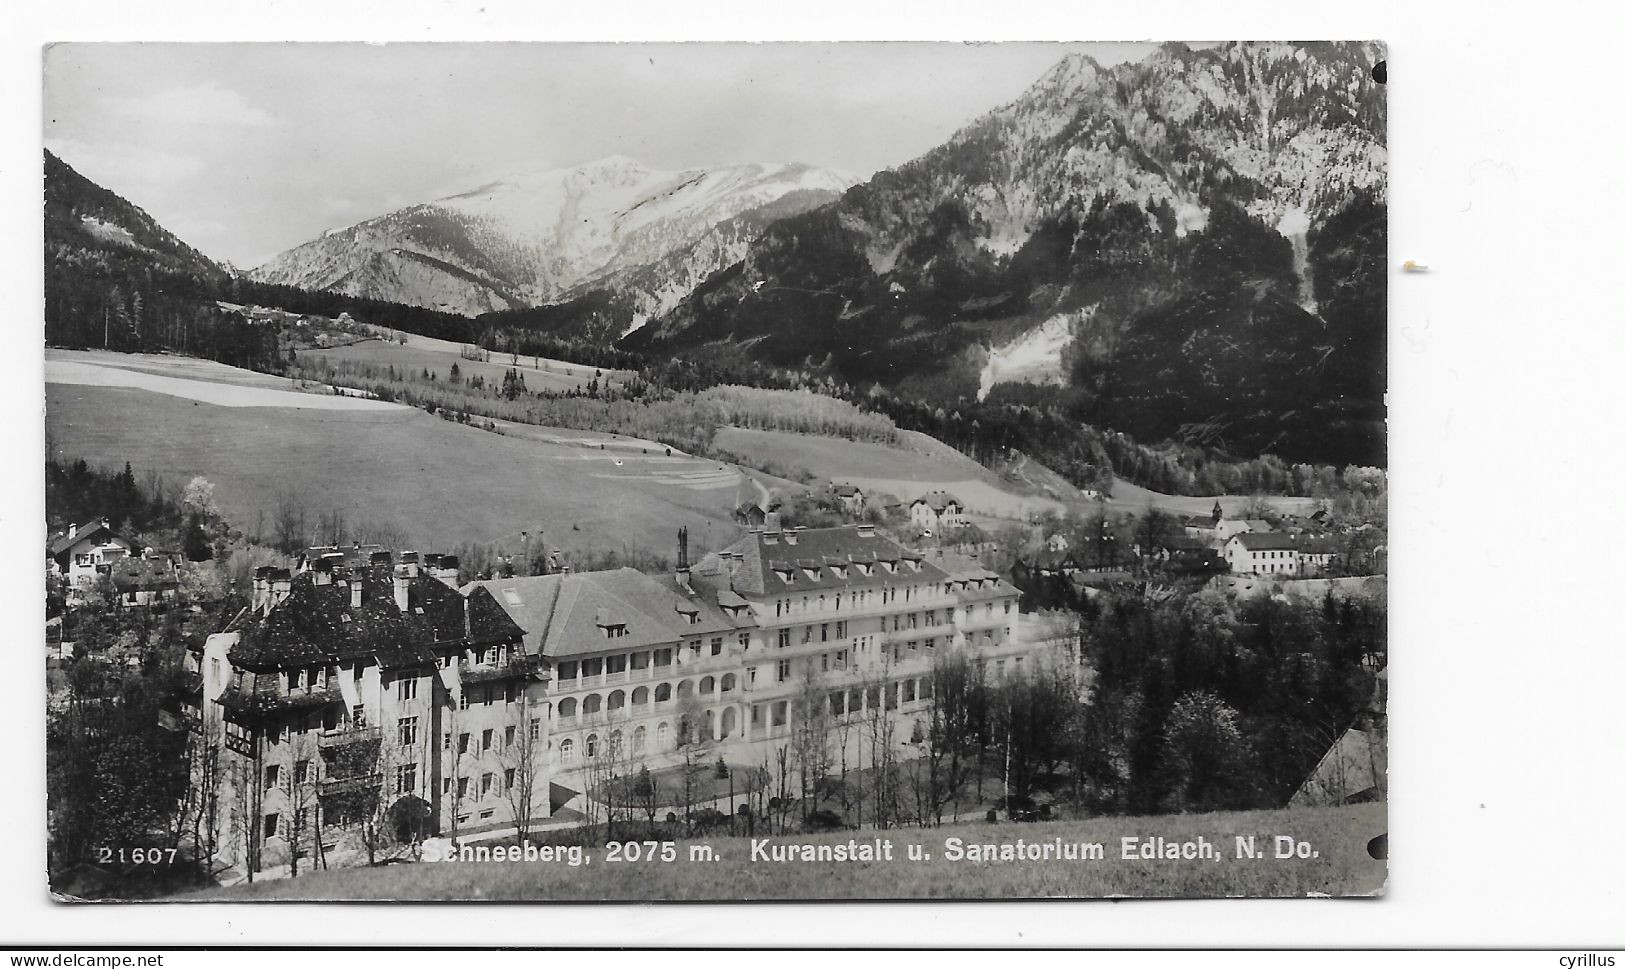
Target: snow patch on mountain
{"points": [[535, 237], [1035, 356]]}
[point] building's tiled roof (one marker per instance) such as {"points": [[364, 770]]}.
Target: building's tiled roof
{"points": [[1265, 541], [567, 615], [315, 623], [1257, 525], [846, 491], [143, 575], [937, 500], [772, 562]]}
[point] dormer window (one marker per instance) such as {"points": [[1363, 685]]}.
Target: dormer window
{"points": [[812, 572], [839, 570], [864, 567], [614, 630], [786, 576]]}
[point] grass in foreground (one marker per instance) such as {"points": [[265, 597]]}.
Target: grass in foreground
{"points": [[1340, 835]]}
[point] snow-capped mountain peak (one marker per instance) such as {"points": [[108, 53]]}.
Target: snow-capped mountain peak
{"points": [[534, 237]]}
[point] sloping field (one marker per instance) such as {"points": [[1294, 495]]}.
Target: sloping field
{"points": [[206, 390], [925, 464], [433, 483], [1130, 497], [425, 353], [1339, 864]]}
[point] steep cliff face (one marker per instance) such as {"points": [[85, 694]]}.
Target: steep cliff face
{"points": [[1100, 195], [550, 236]]}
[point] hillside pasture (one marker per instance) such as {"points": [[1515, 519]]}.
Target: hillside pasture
{"points": [[426, 353], [1133, 498], [1340, 836], [393, 471]]}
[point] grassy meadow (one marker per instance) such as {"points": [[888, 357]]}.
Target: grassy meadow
{"points": [[393, 471], [1339, 835]]}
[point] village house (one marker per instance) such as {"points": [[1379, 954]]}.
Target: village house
{"points": [[1226, 527], [1277, 553], [850, 497], [936, 510], [84, 554], [149, 580], [358, 699]]}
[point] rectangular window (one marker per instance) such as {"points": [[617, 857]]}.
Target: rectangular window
{"points": [[486, 737], [445, 785], [406, 690], [462, 743], [716, 646], [840, 629], [784, 638], [270, 825], [462, 787], [744, 640], [408, 730], [485, 784], [446, 742], [271, 776], [662, 657], [750, 675], [507, 779], [823, 632], [536, 728], [824, 663], [784, 670], [507, 737], [806, 634], [301, 772], [406, 779]]}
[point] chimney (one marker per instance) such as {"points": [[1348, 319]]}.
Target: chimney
{"points": [[682, 560], [866, 530], [403, 588], [262, 589], [281, 583], [355, 591]]}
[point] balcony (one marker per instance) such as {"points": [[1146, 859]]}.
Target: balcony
{"points": [[350, 785], [329, 739]]}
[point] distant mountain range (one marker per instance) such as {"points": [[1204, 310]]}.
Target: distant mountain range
{"points": [[1188, 248], [613, 226], [1205, 228]]}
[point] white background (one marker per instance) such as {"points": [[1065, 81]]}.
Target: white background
{"points": [[1508, 761]]}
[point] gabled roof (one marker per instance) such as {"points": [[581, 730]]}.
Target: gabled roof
{"points": [[89, 530], [1265, 541], [937, 500]]}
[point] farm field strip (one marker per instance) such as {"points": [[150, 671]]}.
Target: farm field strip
{"points": [[217, 393]]}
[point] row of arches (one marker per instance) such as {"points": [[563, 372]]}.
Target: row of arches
{"points": [[616, 700], [716, 725]]}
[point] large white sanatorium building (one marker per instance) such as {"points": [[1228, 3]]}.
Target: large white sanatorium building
{"points": [[458, 699]]}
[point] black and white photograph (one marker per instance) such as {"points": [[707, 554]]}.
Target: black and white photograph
{"points": [[785, 471]]}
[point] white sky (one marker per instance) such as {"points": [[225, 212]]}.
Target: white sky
{"points": [[244, 150]]}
